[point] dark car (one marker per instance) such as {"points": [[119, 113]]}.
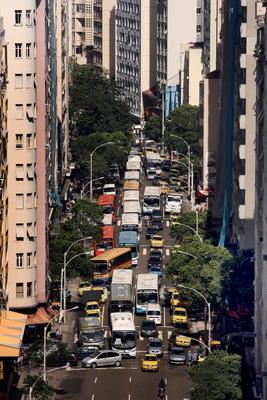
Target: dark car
{"points": [[149, 328], [157, 224], [150, 232], [156, 252], [156, 215], [59, 360], [166, 165], [154, 261], [84, 351]]}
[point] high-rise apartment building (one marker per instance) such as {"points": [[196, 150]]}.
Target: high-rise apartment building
{"points": [[93, 33], [34, 140], [192, 74]]}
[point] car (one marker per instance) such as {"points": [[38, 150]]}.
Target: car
{"points": [[175, 181], [156, 215], [150, 362], [83, 287], [177, 356], [153, 313], [148, 328], [157, 224], [166, 165], [156, 241], [92, 309], [151, 231], [102, 358], [102, 290], [156, 252], [151, 174], [179, 315], [155, 346], [156, 270], [154, 261], [167, 295], [174, 219], [84, 351], [57, 359], [175, 298]]}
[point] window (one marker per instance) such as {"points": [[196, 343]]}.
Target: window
{"points": [[28, 17], [198, 28], [19, 172], [30, 231], [18, 50], [18, 15], [19, 201], [28, 50], [29, 81], [19, 141], [19, 111], [19, 290], [29, 260], [18, 81], [19, 232], [29, 289], [29, 112], [198, 10], [29, 141], [19, 260], [30, 172], [30, 200], [34, 50]]}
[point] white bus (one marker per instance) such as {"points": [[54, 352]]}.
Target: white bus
{"points": [[121, 295], [131, 206], [130, 222], [129, 195], [151, 199], [123, 333], [133, 165], [153, 162], [147, 292], [132, 176]]}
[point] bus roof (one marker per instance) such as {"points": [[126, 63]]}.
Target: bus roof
{"points": [[132, 175], [107, 219], [120, 292], [106, 200], [133, 165], [147, 281], [132, 206], [153, 156], [108, 232], [130, 219], [131, 185], [122, 321], [109, 254], [152, 191], [122, 276], [128, 238], [131, 195]]}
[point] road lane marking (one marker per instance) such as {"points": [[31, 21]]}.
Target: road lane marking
{"points": [[129, 396], [164, 316], [167, 224], [102, 317], [93, 396], [141, 338], [166, 381], [144, 251], [130, 379], [167, 252], [119, 222], [106, 334], [169, 334], [161, 335], [95, 379]]}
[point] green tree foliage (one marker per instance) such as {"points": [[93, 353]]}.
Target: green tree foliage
{"points": [[153, 129], [41, 391], [182, 233], [218, 377], [86, 222], [96, 103], [202, 272]]}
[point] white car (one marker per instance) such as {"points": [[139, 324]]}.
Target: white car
{"points": [[153, 313], [173, 203]]}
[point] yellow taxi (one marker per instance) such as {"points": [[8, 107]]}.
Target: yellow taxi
{"points": [[150, 363], [164, 187], [182, 341], [179, 315], [103, 292], [174, 219], [83, 287], [92, 309], [157, 241], [175, 298]]}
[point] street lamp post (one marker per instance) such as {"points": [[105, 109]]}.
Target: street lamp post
{"points": [[91, 166], [190, 176], [45, 335], [41, 376], [63, 273], [185, 253], [192, 229], [88, 183], [209, 312]]}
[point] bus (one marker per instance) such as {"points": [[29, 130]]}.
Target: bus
{"points": [[151, 199], [132, 176], [131, 195], [105, 263], [147, 292], [131, 185], [132, 206], [130, 239], [153, 162], [107, 242], [133, 165], [121, 295], [131, 222], [108, 204], [123, 333], [107, 220]]}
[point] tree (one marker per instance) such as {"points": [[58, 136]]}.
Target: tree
{"points": [[153, 129], [182, 233], [218, 377], [96, 103], [41, 391], [202, 272]]}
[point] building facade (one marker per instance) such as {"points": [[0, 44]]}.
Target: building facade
{"points": [[192, 74]]}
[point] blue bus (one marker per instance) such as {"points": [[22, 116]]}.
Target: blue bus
{"points": [[130, 239]]}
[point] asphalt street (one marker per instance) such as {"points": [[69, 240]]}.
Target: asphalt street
{"points": [[128, 382]]}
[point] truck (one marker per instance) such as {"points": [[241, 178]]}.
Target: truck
{"points": [[121, 298], [90, 332], [130, 222]]}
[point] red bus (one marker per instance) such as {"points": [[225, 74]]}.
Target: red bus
{"points": [[107, 242], [108, 204]]}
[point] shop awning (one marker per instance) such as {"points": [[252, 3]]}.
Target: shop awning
{"points": [[39, 318], [12, 327]]}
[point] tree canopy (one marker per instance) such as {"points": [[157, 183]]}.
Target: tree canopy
{"points": [[153, 129], [96, 103], [218, 377], [183, 233]]}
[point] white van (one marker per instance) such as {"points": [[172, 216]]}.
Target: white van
{"points": [[109, 188], [153, 313]]}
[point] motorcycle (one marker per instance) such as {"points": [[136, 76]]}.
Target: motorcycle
{"points": [[161, 392]]}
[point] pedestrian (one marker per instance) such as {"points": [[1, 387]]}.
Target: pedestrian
{"points": [[194, 357], [189, 358]]}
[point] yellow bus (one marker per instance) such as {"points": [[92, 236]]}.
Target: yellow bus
{"points": [[131, 185], [105, 263]]}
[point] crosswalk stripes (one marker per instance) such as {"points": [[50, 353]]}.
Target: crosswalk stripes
{"points": [[169, 334], [144, 251], [161, 335], [167, 223], [167, 252], [119, 222]]}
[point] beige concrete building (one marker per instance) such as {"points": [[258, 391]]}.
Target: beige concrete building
{"points": [[93, 33], [192, 74]]}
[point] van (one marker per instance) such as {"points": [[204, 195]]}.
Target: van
{"points": [[153, 313], [151, 174], [109, 188]]}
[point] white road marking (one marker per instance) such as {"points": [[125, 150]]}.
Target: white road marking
{"points": [[93, 396], [164, 316], [106, 334], [141, 338], [169, 334], [130, 379], [95, 379], [161, 335], [167, 224], [102, 317], [163, 267], [167, 252], [119, 222], [144, 251], [129, 396], [166, 381]]}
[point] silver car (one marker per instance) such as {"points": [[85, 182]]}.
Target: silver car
{"points": [[102, 358], [155, 346], [177, 356]]}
